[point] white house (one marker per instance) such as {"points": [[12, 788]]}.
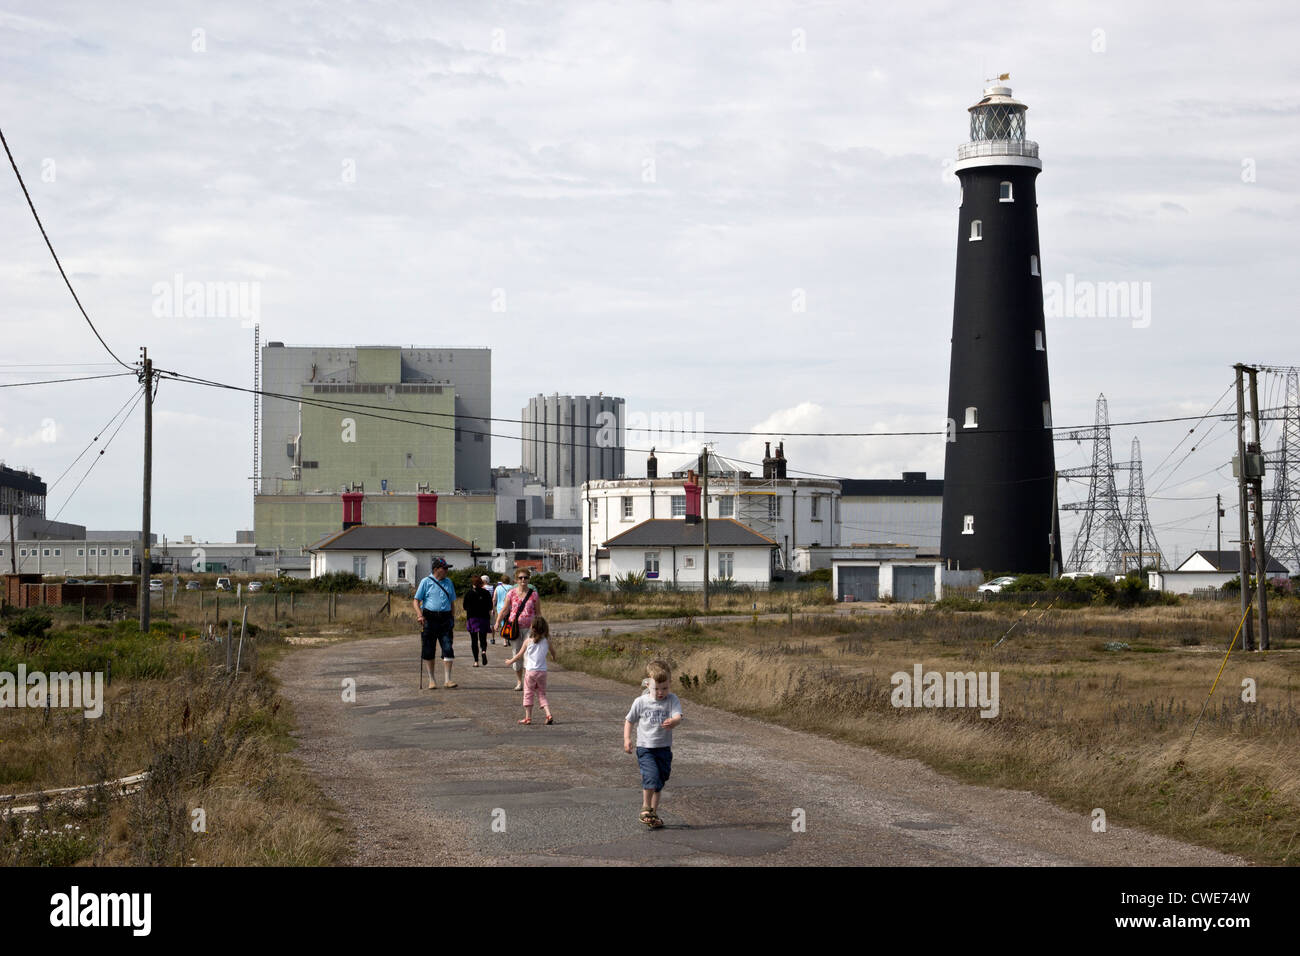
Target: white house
{"points": [[791, 512], [670, 551], [1207, 569], [390, 555]]}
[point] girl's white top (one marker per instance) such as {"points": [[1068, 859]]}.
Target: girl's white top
{"points": [[535, 655]]}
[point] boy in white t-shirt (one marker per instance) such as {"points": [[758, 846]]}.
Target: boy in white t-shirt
{"points": [[654, 715]]}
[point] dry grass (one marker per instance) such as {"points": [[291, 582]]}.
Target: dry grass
{"points": [[208, 741], [1084, 726]]}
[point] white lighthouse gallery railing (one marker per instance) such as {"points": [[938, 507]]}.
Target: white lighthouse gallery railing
{"points": [[998, 147]]}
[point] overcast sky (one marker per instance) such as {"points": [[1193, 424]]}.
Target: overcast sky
{"points": [[652, 191]]}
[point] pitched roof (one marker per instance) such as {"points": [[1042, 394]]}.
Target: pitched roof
{"points": [[675, 532], [391, 537], [1229, 562]]}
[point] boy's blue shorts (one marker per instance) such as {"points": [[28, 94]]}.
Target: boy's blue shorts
{"points": [[656, 764]]}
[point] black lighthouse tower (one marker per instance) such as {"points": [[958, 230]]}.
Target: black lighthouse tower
{"points": [[999, 509]]}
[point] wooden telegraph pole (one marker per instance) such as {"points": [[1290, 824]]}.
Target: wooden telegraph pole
{"points": [[146, 376], [1255, 474]]}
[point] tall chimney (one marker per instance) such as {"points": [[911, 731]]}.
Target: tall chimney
{"points": [[352, 509], [652, 465], [779, 463], [767, 460], [426, 509], [692, 498]]}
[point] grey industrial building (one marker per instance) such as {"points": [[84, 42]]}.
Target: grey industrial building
{"points": [[286, 369], [569, 440]]}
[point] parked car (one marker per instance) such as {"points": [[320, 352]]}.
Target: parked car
{"points": [[73, 581], [193, 586], [155, 584], [254, 586], [223, 584], [996, 585]]}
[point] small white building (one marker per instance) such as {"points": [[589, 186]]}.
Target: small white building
{"points": [[876, 573], [671, 551], [393, 556], [1205, 570]]}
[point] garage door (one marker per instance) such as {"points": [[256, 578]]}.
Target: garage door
{"points": [[862, 583], [913, 583]]}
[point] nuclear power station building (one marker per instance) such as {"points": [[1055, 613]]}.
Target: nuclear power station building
{"points": [[999, 510]]}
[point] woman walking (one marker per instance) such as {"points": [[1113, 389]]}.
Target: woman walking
{"points": [[534, 652], [520, 610], [478, 610]]}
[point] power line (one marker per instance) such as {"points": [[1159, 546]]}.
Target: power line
{"points": [[96, 460], [50, 246], [341, 405], [61, 381], [91, 443]]}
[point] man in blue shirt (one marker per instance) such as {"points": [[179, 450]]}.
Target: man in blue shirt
{"points": [[435, 603]]}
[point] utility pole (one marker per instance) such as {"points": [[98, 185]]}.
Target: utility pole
{"points": [[1139, 551], [1256, 475], [146, 376], [1243, 521], [1218, 532], [704, 508]]}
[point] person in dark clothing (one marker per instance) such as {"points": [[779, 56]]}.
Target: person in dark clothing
{"points": [[478, 612]]}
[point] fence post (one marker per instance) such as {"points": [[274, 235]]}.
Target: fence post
{"points": [[230, 625], [277, 606], [83, 609], [243, 625], [292, 601]]}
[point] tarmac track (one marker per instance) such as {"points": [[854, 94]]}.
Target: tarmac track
{"points": [[448, 777]]}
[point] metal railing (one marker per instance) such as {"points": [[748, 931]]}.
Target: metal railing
{"points": [[998, 147]]}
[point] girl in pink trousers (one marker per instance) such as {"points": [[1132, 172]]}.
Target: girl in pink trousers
{"points": [[536, 649]]}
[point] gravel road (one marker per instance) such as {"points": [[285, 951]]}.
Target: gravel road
{"points": [[448, 777]]}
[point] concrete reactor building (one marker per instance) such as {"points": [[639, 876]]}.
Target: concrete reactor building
{"points": [[392, 425]]}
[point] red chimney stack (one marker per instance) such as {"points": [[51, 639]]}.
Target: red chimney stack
{"points": [[692, 498], [426, 508], [352, 509]]}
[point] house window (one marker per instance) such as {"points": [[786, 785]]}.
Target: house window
{"points": [[726, 506], [816, 508], [103, 552], [726, 564], [972, 417], [968, 525], [410, 459], [688, 563], [359, 565], [679, 506], [22, 552], [58, 552], [1047, 414], [595, 507], [627, 506], [652, 564], [1038, 340], [116, 552], [1033, 265], [401, 570], [1004, 193], [976, 230], [81, 552], [774, 507], [46, 552]]}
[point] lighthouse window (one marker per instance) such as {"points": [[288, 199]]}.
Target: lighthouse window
{"points": [[968, 524], [1004, 193], [1047, 414], [1033, 265], [976, 230], [1038, 340], [972, 417]]}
